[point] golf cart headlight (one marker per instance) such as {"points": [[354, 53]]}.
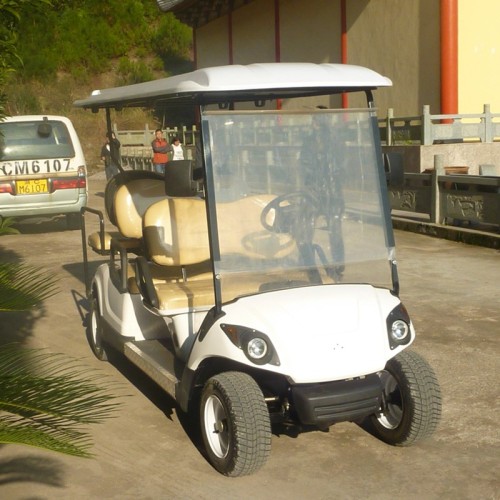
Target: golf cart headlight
{"points": [[398, 327], [257, 348], [400, 330]]}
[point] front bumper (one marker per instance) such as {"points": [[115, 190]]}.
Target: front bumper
{"points": [[330, 402]]}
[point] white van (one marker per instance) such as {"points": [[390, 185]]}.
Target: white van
{"points": [[42, 168]]}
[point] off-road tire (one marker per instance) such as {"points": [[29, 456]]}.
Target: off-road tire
{"points": [[235, 424], [413, 401]]}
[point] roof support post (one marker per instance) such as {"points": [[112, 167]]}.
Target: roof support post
{"points": [[343, 44], [230, 36], [114, 152], [277, 41]]}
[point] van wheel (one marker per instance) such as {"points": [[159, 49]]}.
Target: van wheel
{"points": [[411, 401], [94, 330], [73, 221], [235, 424]]}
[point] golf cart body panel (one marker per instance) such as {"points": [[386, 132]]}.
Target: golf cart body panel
{"points": [[279, 279], [317, 334]]}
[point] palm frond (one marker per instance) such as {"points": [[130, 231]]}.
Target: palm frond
{"points": [[45, 398], [25, 433], [23, 286], [6, 222]]}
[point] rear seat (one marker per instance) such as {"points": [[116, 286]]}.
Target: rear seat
{"points": [[131, 202], [127, 197]]}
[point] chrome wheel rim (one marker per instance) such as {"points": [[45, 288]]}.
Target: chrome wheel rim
{"points": [[216, 426], [393, 408], [94, 325]]}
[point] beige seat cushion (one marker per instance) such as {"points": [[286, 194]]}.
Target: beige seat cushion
{"points": [[175, 232], [94, 241], [191, 294], [131, 202], [200, 293], [172, 274]]}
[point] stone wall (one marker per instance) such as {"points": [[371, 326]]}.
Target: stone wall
{"points": [[420, 158]]}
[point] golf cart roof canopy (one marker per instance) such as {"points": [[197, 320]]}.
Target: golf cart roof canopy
{"points": [[233, 83]]}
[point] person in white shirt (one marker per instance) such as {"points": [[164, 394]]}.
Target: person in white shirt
{"points": [[177, 149]]}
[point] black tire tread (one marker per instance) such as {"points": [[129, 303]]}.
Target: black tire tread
{"points": [[250, 419], [418, 379]]}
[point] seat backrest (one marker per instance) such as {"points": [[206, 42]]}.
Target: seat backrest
{"points": [[119, 180], [131, 202], [176, 234], [179, 178]]}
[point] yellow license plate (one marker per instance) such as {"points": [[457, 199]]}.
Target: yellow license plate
{"points": [[35, 186]]}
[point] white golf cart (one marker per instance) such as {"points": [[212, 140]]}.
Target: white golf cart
{"points": [[268, 292]]}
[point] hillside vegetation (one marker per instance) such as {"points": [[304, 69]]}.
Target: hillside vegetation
{"points": [[67, 48]]}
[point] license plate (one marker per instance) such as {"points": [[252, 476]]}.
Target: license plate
{"points": [[35, 186]]}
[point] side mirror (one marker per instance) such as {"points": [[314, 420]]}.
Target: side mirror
{"points": [[394, 171]]}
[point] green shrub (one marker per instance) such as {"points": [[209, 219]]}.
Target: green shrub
{"points": [[172, 39], [89, 34]]}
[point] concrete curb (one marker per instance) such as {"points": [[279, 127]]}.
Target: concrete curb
{"points": [[459, 234]]}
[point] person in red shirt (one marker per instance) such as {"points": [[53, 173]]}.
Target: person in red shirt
{"points": [[161, 148]]}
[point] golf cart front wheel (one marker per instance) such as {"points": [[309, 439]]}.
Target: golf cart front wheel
{"points": [[411, 401], [94, 332], [235, 424]]}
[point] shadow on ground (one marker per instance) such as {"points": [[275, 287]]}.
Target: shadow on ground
{"points": [[32, 469], [17, 326], [41, 225]]}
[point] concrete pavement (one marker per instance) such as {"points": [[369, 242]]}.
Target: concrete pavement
{"points": [[151, 451]]}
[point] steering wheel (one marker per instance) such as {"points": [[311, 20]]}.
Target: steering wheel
{"points": [[293, 213]]}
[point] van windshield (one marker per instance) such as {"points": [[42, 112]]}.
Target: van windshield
{"points": [[30, 140], [298, 199]]}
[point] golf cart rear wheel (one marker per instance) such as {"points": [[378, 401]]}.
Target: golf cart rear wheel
{"points": [[94, 334], [235, 424], [412, 401]]}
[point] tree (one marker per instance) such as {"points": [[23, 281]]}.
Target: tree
{"points": [[87, 37]]}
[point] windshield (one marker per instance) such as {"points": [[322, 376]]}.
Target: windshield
{"points": [[298, 200], [29, 140]]}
